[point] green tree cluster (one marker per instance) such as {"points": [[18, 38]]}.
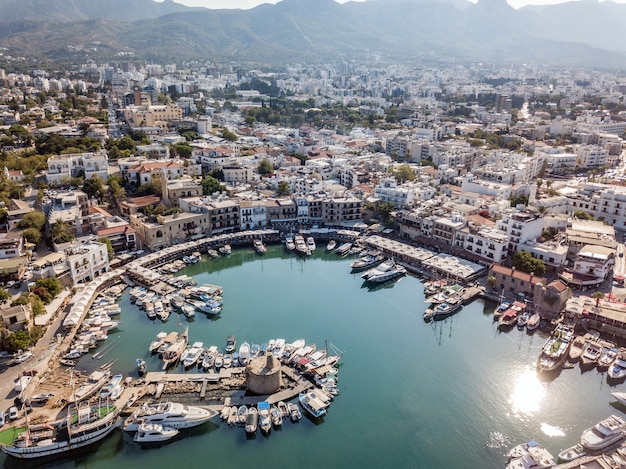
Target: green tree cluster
{"points": [[265, 167], [210, 185], [283, 189], [47, 289], [403, 173], [60, 233], [522, 260]]}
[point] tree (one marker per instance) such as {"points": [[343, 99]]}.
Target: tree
{"points": [[210, 185], [525, 262], [5, 296], [110, 250], [228, 135], [265, 167], [34, 219], [403, 173], [582, 215], [491, 281], [521, 199], [598, 295], [93, 187], [19, 340], [32, 235], [61, 233], [51, 286], [283, 188], [183, 149]]}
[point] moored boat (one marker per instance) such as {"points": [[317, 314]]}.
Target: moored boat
{"points": [[533, 322], [571, 453], [332, 244], [617, 370], [170, 414], [607, 356], [590, 354], [311, 402], [294, 412], [175, 350], [444, 310], [244, 353], [141, 365], [603, 434], [289, 242], [555, 349], [83, 426], [577, 347], [259, 247], [251, 422], [265, 419], [150, 433], [529, 455], [231, 343], [620, 396]]}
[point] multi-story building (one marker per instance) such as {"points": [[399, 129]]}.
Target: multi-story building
{"points": [[11, 247], [87, 261], [592, 266], [176, 189], [281, 212], [342, 211], [253, 214], [489, 244], [237, 174], [62, 168], [473, 184], [514, 284], [388, 190], [520, 226], [445, 229], [152, 116]]}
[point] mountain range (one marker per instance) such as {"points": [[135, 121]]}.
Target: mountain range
{"points": [[581, 33]]}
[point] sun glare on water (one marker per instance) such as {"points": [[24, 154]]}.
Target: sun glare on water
{"points": [[528, 392]]}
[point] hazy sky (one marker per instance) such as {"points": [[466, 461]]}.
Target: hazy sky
{"points": [[218, 4]]}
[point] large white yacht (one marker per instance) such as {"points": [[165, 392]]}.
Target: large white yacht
{"points": [[603, 434], [169, 414]]}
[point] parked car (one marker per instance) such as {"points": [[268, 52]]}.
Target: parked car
{"points": [[13, 414], [41, 398], [4, 354], [24, 357], [2, 418], [10, 283]]}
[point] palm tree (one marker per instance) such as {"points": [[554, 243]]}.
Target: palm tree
{"points": [[597, 295]]}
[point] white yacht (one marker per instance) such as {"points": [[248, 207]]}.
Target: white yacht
{"points": [[530, 455], [194, 354], [244, 353], [154, 433], [603, 434], [380, 277], [169, 414]]}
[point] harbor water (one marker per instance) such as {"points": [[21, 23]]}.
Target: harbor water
{"points": [[450, 394]]}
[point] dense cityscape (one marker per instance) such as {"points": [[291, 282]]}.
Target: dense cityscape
{"points": [[515, 171]]}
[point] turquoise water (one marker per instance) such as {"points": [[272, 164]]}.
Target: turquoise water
{"points": [[455, 393]]}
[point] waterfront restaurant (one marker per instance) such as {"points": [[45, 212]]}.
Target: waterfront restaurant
{"points": [[608, 317]]}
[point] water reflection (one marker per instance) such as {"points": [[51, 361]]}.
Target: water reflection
{"points": [[528, 392], [551, 430]]}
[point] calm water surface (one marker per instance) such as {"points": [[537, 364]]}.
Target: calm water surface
{"points": [[451, 394]]}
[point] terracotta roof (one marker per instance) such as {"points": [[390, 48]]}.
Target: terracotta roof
{"points": [[558, 286], [145, 200], [116, 230], [93, 209], [518, 274]]}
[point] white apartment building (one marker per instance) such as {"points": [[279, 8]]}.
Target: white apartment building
{"points": [[592, 266], [62, 168], [604, 202], [253, 214], [552, 253], [521, 227], [87, 261], [470, 183], [487, 243], [388, 190], [591, 156], [238, 174]]}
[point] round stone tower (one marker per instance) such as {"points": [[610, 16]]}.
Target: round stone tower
{"points": [[263, 375]]}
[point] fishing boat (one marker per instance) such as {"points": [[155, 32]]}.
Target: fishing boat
{"points": [[311, 402], [533, 322], [265, 419], [555, 349], [617, 371], [276, 415], [523, 319], [251, 422], [242, 413], [175, 350], [294, 412], [577, 347], [502, 307], [83, 426], [332, 244], [590, 354], [244, 353], [284, 409], [509, 317], [169, 414], [259, 247], [150, 433], [603, 434]]}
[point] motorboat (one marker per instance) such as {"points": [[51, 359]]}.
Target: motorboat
{"points": [[209, 357], [607, 357], [83, 426], [244, 353], [617, 370], [310, 243], [533, 322], [590, 354], [225, 412], [242, 413], [389, 264], [252, 419], [169, 414], [370, 260], [212, 308], [380, 277], [232, 416], [194, 354], [577, 347], [523, 319], [603, 434], [259, 247], [289, 242], [301, 246], [213, 253], [231, 343], [225, 250], [150, 432], [219, 361], [141, 365], [94, 383], [311, 402], [620, 396], [444, 310], [294, 412], [276, 415], [228, 360], [529, 455], [573, 452], [265, 419], [332, 244], [188, 310], [284, 409], [110, 386], [156, 343]]}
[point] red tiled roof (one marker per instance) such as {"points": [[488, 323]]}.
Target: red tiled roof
{"points": [[116, 230]]}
